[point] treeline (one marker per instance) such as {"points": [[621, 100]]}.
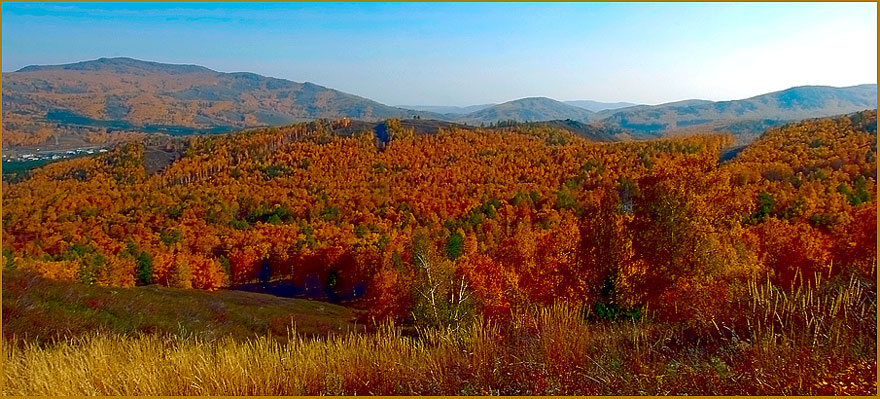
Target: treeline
{"points": [[439, 227]]}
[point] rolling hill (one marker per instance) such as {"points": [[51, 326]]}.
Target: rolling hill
{"points": [[129, 94], [747, 116], [530, 109]]}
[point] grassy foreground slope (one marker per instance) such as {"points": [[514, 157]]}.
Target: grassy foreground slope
{"points": [[42, 311], [807, 343]]}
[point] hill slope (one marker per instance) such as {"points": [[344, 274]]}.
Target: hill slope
{"points": [[760, 111], [530, 109], [44, 310], [124, 93]]}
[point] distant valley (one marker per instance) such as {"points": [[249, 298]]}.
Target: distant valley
{"points": [[99, 101], [447, 109], [597, 106]]}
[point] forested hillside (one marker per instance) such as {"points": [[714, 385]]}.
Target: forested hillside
{"points": [[80, 102], [490, 220]]}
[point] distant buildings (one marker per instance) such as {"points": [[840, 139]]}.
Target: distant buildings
{"points": [[37, 155]]}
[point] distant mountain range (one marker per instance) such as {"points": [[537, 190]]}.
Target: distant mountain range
{"points": [[797, 103], [76, 100], [589, 105], [530, 109], [447, 109]]}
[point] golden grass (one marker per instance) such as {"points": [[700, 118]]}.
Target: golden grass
{"points": [[810, 342]]}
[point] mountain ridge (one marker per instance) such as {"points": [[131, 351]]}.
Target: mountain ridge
{"points": [[589, 105], [119, 63], [136, 94], [796, 103], [528, 109], [93, 97]]}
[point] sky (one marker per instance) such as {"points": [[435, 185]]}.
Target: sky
{"points": [[473, 53]]}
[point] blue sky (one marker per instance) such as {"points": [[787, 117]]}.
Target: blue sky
{"points": [[473, 53]]}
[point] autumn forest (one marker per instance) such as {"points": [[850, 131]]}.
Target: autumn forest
{"points": [[483, 240]]}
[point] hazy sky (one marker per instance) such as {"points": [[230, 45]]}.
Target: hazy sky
{"points": [[461, 54]]}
